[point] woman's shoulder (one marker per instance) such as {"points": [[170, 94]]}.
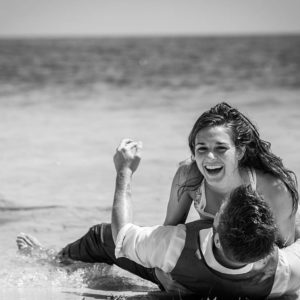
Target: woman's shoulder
{"points": [[188, 170], [186, 163], [187, 177], [274, 190], [269, 182]]}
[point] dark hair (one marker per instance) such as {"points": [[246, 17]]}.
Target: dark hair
{"points": [[246, 228], [244, 134]]}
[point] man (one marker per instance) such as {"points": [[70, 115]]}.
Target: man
{"points": [[245, 234], [207, 260]]}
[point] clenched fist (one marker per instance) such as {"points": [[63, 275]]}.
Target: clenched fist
{"points": [[128, 155]]}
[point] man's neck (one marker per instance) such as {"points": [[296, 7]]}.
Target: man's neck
{"points": [[224, 261]]}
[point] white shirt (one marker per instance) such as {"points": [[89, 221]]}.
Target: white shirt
{"points": [[160, 247]]}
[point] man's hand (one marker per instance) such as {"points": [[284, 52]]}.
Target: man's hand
{"points": [[128, 155]]}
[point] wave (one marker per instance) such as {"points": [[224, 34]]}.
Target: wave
{"points": [[6, 205], [24, 208]]}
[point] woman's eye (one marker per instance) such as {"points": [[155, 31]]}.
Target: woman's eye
{"points": [[222, 149], [201, 149]]}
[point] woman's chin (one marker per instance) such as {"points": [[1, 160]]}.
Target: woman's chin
{"points": [[212, 177]]}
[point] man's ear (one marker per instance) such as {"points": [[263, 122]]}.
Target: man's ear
{"points": [[217, 241], [240, 152]]}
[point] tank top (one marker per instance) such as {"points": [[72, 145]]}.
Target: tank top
{"points": [[200, 198]]}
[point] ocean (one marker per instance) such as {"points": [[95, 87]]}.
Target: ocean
{"points": [[66, 103]]}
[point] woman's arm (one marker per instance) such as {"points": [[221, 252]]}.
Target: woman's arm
{"points": [[297, 233], [277, 195], [279, 198], [178, 208], [179, 202], [285, 218]]}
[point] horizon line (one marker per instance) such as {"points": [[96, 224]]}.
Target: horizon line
{"points": [[148, 35]]}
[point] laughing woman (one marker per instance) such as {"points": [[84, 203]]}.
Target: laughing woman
{"points": [[227, 152]]}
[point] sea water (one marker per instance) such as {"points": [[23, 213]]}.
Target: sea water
{"points": [[65, 104]]}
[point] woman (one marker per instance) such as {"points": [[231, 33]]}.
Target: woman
{"points": [[227, 152]]}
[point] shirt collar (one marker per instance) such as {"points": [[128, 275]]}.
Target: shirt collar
{"points": [[206, 244]]}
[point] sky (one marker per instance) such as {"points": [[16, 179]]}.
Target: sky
{"points": [[147, 17]]}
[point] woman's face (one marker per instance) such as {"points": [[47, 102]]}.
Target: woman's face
{"points": [[216, 155]]}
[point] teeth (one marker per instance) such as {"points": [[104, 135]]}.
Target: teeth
{"points": [[213, 167]]}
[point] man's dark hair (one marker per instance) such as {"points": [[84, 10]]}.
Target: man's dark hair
{"points": [[247, 229]]}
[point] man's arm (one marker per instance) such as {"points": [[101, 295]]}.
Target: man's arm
{"points": [[147, 246], [126, 160]]}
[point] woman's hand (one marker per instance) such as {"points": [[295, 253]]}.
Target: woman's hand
{"points": [[170, 285]]}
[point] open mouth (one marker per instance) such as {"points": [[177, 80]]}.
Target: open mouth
{"points": [[213, 170]]}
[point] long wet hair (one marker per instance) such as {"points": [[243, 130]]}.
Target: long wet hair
{"points": [[244, 134]]}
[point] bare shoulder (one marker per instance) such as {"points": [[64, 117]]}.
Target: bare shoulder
{"points": [[184, 167], [188, 169], [274, 192], [188, 174], [180, 197]]}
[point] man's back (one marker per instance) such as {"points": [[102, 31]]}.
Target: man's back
{"points": [[193, 268]]}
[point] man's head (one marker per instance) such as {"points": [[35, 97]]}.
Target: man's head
{"points": [[245, 226]]}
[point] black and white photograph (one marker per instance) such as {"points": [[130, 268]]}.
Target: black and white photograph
{"points": [[149, 149]]}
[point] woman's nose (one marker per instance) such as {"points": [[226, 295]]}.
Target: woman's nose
{"points": [[210, 155]]}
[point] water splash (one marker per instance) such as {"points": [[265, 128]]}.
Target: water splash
{"points": [[41, 270], [25, 271]]}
